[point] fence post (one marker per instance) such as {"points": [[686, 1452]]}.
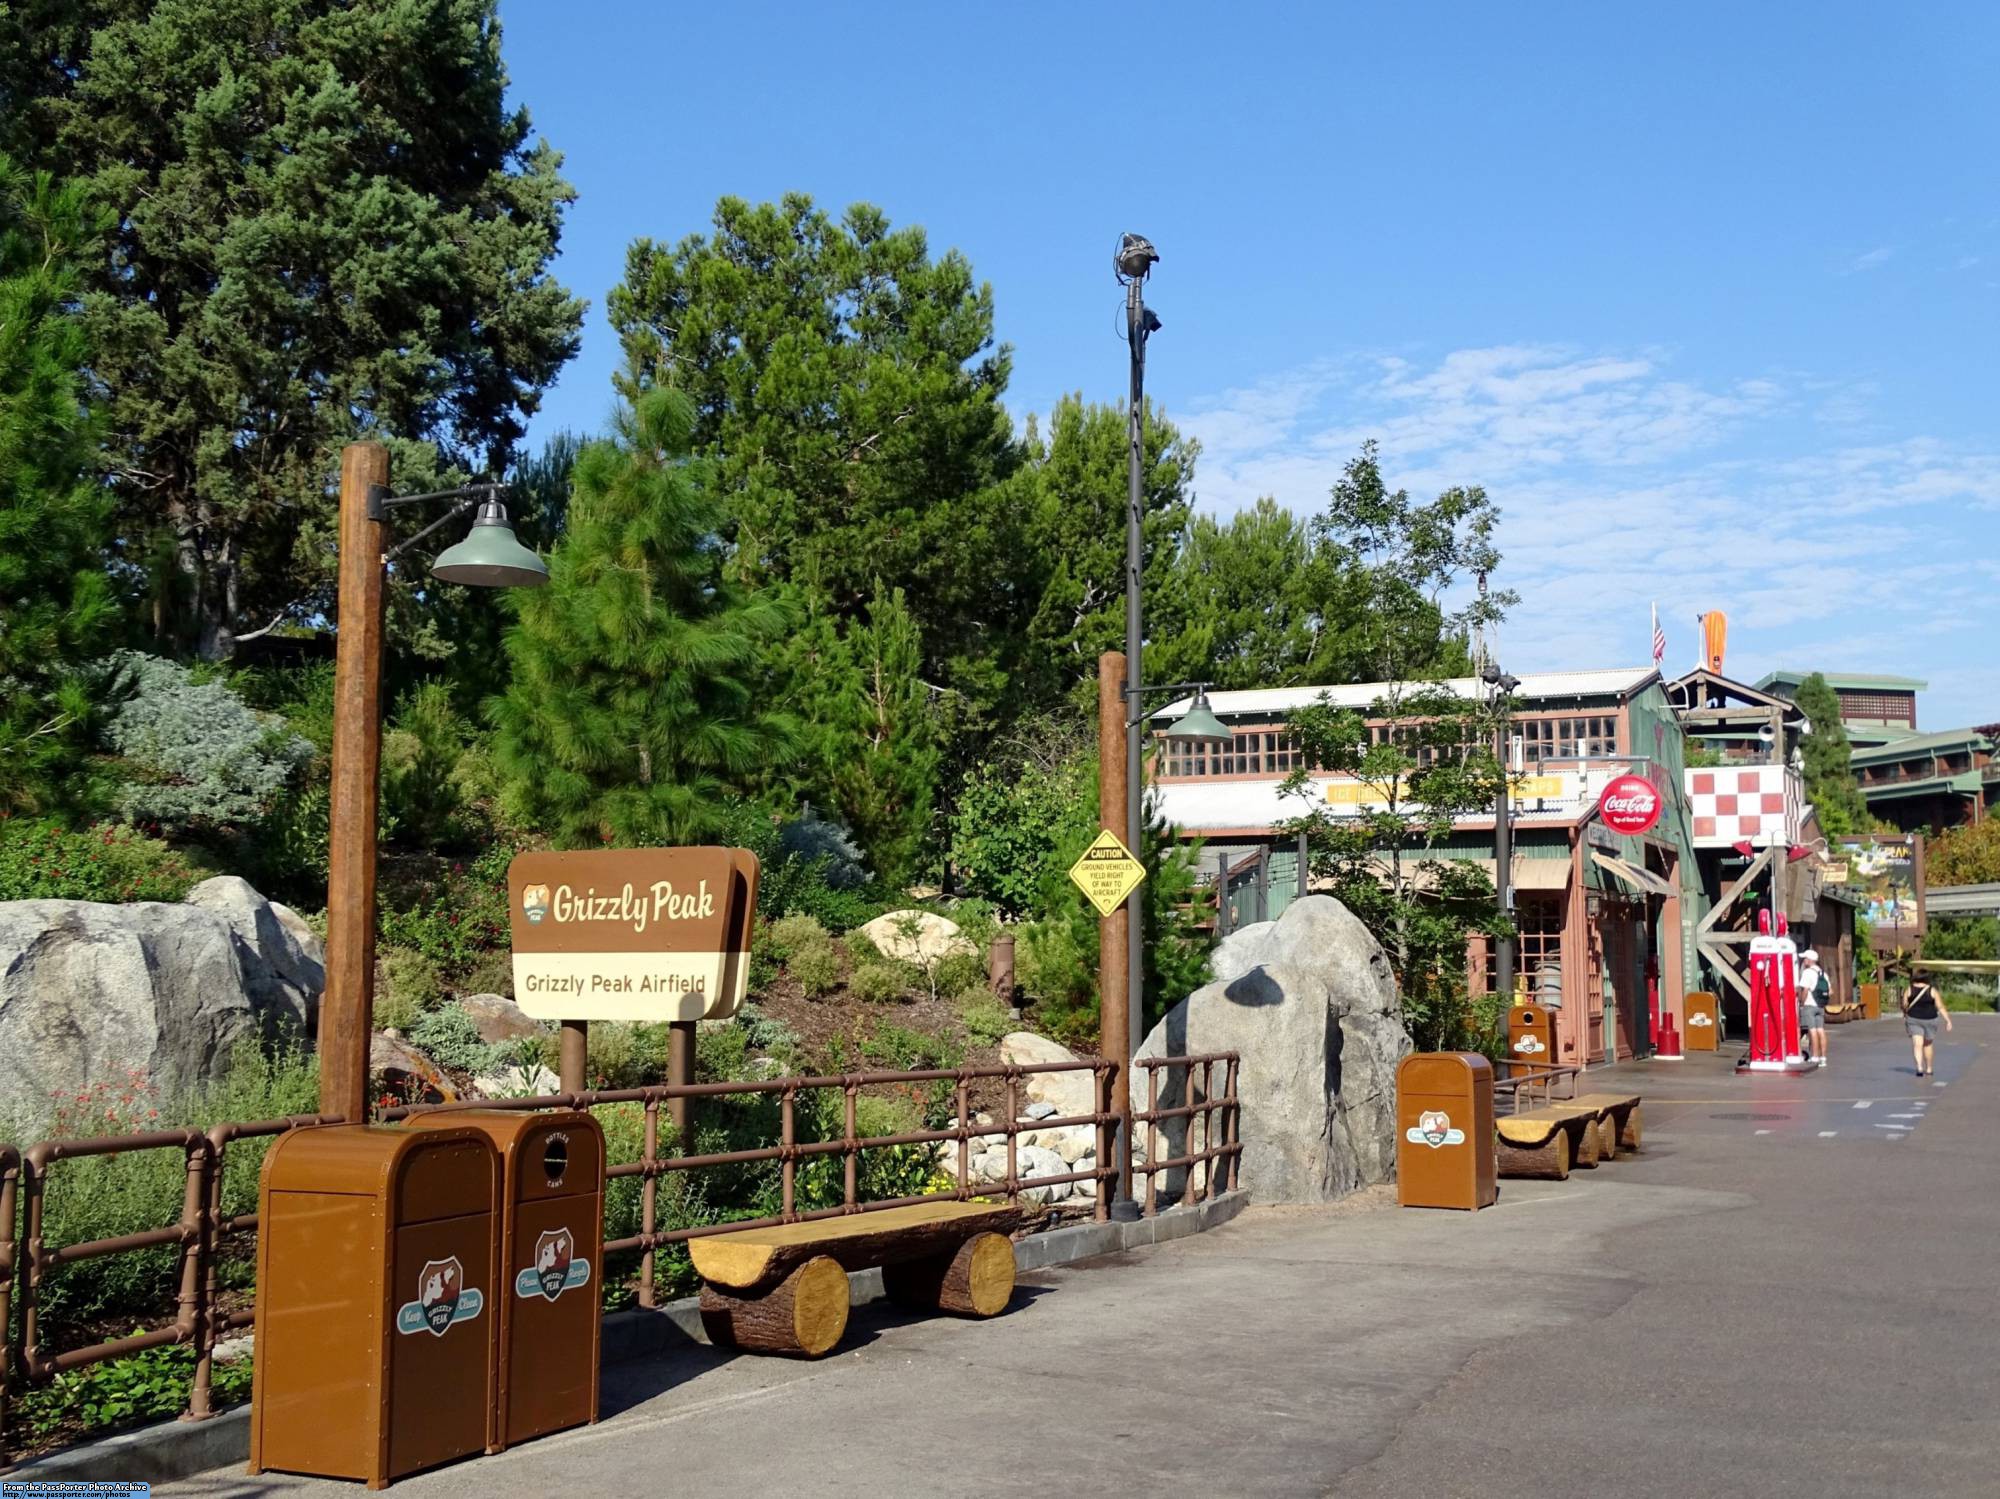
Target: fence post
{"points": [[200, 1401], [649, 1196], [851, 1149], [1152, 1141], [787, 1161], [964, 1143], [1013, 1168]]}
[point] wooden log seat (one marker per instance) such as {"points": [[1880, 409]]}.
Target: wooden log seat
{"points": [[783, 1288], [1619, 1124], [1547, 1142]]}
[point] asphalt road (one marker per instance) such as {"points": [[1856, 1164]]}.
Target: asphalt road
{"points": [[1790, 1293]]}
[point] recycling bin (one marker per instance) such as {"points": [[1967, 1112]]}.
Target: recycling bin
{"points": [[1531, 1036], [377, 1262], [1871, 1001], [551, 1260], [1702, 1018], [1445, 1152]]}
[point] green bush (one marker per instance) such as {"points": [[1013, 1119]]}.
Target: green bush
{"points": [[788, 934], [147, 1386], [861, 948], [407, 987], [489, 973], [42, 860], [625, 1054], [772, 1037], [817, 969], [987, 1020], [880, 982], [450, 1038], [961, 975]]}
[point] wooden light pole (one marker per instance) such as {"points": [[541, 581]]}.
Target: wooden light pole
{"points": [[346, 1009], [1114, 932]]}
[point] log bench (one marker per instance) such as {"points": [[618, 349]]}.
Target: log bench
{"points": [[1618, 1121], [783, 1289], [1547, 1142]]}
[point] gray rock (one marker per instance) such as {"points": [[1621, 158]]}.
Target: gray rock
{"points": [[517, 1082], [232, 1350], [1033, 1161], [1039, 1111], [500, 1019], [1309, 1003], [283, 961], [90, 992], [1068, 1093]]}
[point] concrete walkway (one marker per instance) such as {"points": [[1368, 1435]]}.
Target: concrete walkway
{"points": [[1776, 1299]]}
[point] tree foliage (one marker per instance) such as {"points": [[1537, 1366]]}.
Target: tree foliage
{"points": [[330, 224], [1967, 855], [56, 604], [1829, 777], [635, 706]]}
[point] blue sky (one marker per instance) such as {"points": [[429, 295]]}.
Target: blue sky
{"points": [[1705, 296]]}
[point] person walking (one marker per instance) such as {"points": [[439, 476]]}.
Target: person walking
{"points": [[1921, 1012], [1815, 994]]}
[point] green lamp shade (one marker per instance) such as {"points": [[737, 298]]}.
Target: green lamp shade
{"points": [[490, 557], [1198, 725]]}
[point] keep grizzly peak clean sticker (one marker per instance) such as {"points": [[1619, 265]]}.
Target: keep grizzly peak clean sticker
{"points": [[1434, 1128], [443, 1300], [632, 934], [556, 1269], [1529, 1044]]}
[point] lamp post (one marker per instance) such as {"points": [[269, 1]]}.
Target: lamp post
{"points": [[1503, 686], [489, 557]]}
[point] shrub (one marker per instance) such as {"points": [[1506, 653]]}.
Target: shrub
{"points": [[407, 987], [201, 756], [139, 1387], [722, 1054], [625, 1054], [772, 1037], [489, 973], [420, 756], [788, 934], [45, 861], [987, 1020], [862, 949], [880, 982], [450, 1038], [817, 969], [960, 976]]}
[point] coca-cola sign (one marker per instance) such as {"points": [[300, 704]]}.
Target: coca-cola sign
{"points": [[1629, 805]]}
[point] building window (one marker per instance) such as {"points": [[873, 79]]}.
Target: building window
{"points": [[1538, 914], [1573, 738], [1250, 752]]}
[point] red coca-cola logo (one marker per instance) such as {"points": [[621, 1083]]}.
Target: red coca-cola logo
{"points": [[1629, 805]]}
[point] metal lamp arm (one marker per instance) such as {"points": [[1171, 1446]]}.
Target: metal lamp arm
{"points": [[1136, 692], [379, 501]]}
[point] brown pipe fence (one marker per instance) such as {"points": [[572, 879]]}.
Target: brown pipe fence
{"points": [[1534, 1078], [204, 1234]]}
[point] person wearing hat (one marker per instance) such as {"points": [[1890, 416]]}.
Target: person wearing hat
{"points": [[1815, 993]]}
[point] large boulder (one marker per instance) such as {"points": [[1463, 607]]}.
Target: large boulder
{"points": [[1309, 1004], [90, 992], [499, 1019], [920, 937]]}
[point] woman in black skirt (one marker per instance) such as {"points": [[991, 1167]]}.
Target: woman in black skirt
{"points": [[1921, 1012]]}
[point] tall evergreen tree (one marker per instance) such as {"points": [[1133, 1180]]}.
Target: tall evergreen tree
{"points": [[1829, 775], [331, 225], [879, 739], [635, 708], [847, 388], [55, 604]]}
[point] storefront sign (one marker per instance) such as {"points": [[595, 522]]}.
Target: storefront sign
{"points": [[632, 934], [1629, 805]]}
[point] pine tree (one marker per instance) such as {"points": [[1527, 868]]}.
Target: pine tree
{"points": [[330, 224], [636, 704], [1829, 776], [55, 604]]}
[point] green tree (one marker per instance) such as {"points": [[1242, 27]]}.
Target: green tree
{"points": [[635, 708], [1081, 484], [1830, 783], [867, 711], [847, 391], [330, 225], [55, 603], [1968, 855], [1963, 937]]}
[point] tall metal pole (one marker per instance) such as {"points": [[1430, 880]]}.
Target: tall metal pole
{"points": [[1135, 324], [347, 1008], [1503, 878], [1114, 966]]}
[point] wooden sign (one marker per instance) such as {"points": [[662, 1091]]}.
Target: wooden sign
{"points": [[655, 934], [1107, 873]]}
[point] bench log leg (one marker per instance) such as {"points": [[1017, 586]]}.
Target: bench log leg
{"points": [[1631, 1132], [1548, 1161], [975, 1281], [1586, 1145], [804, 1314], [1607, 1136]]}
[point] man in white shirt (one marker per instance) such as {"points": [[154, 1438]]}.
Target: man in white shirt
{"points": [[1814, 990]]}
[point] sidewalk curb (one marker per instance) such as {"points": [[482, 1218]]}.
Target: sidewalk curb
{"points": [[181, 1449]]}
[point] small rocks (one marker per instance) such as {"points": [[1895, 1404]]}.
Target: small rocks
{"points": [[1039, 1111], [518, 1082]]}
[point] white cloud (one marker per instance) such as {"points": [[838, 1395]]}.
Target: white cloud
{"points": [[1870, 260], [1621, 483]]}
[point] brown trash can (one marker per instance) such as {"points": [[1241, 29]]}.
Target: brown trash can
{"points": [[549, 1313], [1445, 1151], [1871, 1001], [377, 1264], [1531, 1035], [1701, 1016]]}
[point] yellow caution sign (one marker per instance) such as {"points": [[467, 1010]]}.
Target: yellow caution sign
{"points": [[1107, 873]]}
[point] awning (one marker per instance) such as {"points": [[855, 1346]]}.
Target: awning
{"points": [[1640, 879]]}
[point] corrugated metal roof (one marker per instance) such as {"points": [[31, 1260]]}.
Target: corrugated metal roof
{"points": [[1917, 744], [1857, 681], [1604, 682]]}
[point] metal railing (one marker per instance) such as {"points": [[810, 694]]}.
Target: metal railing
{"points": [[1534, 1078], [204, 1235], [1220, 1155]]}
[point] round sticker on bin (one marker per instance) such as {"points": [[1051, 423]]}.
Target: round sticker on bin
{"points": [[1529, 1044], [557, 1267], [443, 1299], [1434, 1128]]}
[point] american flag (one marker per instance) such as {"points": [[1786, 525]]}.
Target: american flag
{"points": [[1659, 639]]}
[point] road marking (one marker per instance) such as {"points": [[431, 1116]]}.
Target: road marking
{"points": [[1763, 1132], [1937, 1085], [1864, 1103], [1828, 1134], [1901, 1129], [1906, 1116]]}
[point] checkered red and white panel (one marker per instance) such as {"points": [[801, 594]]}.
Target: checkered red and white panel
{"points": [[1732, 804]]}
